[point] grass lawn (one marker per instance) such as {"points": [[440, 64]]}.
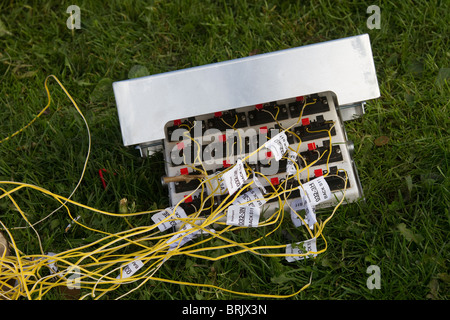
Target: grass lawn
{"points": [[401, 143]]}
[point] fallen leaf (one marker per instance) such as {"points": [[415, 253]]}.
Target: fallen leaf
{"points": [[282, 278], [28, 74], [408, 234], [326, 263], [381, 141], [444, 277], [434, 288]]}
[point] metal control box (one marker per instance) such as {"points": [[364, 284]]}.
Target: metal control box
{"points": [[208, 117]]}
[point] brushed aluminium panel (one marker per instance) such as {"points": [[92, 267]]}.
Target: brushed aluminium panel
{"points": [[344, 66]]}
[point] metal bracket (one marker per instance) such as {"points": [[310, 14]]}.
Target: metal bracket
{"points": [[351, 111]]}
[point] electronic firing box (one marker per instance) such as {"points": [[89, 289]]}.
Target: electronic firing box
{"points": [[279, 115]]}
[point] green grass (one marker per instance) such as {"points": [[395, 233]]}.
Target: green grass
{"points": [[403, 224]]}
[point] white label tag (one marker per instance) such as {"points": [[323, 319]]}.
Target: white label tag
{"points": [[310, 212], [301, 248], [252, 198], [317, 190], [52, 266], [290, 166], [243, 216], [235, 177], [278, 145], [130, 269], [178, 240], [216, 184], [296, 206], [170, 221], [258, 183]]}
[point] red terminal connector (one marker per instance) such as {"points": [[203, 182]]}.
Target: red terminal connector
{"points": [[305, 121], [184, 171], [318, 172], [177, 122], [311, 146], [268, 154], [226, 164], [274, 181], [263, 130], [259, 106], [187, 199], [301, 98], [217, 114], [223, 138]]}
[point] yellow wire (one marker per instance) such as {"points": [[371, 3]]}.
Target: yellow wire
{"points": [[99, 260]]}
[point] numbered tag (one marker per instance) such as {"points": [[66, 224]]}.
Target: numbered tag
{"points": [[217, 184], [235, 177], [252, 198], [180, 239], [301, 248], [278, 145], [170, 219], [310, 212], [258, 183], [52, 265], [296, 206], [131, 269], [290, 166], [243, 216], [317, 190]]}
